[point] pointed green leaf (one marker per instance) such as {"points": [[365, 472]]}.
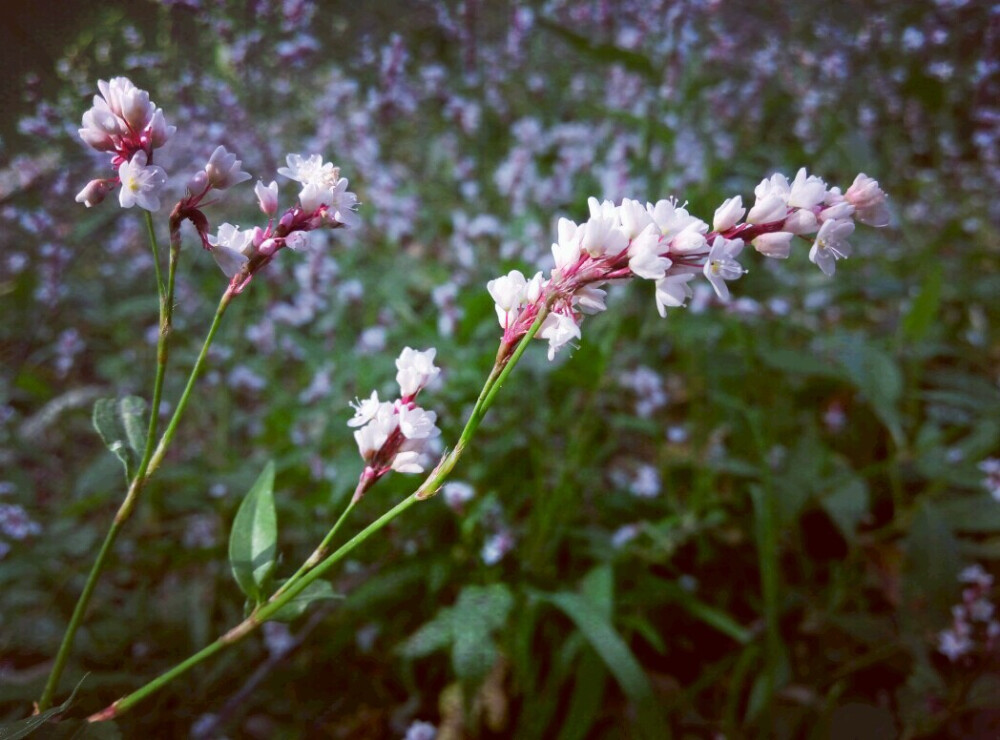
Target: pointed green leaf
{"points": [[615, 653], [318, 590], [924, 308], [253, 541], [23, 728], [121, 423]]}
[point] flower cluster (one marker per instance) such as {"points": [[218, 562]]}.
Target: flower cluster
{"points": [[664, 243], [392, 435], [15, 524], [124, 123], [991, 467], [323, 201], [974, 623]]}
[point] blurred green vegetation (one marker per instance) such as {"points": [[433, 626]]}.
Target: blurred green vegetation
{"points": [[816, 447]]}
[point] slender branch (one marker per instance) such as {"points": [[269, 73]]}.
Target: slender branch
{"points": [[166, 300], [156, 258], [301, 580], [171, 430], [320, 552]]}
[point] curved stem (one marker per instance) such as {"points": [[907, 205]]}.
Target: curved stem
{"points": [[166, 298], [305, 576]]}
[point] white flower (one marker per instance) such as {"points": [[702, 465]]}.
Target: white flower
{"points": [[159, 131], [831, 245], [364, 411], [602, 236], [767, 210], [415, 370], [140, 184], [975, 574], [310, 171], [806, 191], [681, 230], [566, 251], [590, 299], [720, 265], [634, 218], [605, 210], [800, 222], [224, 169], [231, 248], [728, 214], [374, 434], [672, 291], [415, 423], [559, 329], [840, 210], [774, 186], [407, 462], [777, 244], [342, 204], [267, 197], [869, 200], [644, 258]]}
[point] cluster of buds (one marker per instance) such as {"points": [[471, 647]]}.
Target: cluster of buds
{"points": [[974, 625], [664, 243], [392, 435], [323, 201], [124, 123]]}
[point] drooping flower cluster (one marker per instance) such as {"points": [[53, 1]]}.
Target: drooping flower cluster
{"points": [[974, 625], [664, 243], [124, 123], [392, 435], [323, 201]]}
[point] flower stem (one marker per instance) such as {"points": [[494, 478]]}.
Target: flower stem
{"points": [[166, 298], [307, 574], [171, 430]]}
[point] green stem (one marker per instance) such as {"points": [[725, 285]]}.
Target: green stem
{"points": [[156, 258], [320, 552], [166, 298], [171, 430], [305, 576]]}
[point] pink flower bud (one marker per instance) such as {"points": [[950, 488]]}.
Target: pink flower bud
{"points": [[267, 197], [94, 192]]}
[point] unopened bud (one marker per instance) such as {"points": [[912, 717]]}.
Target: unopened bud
{"points": [[94, 192], [267, 197]]}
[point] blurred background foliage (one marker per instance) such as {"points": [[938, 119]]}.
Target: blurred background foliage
{"points": [[745, 519]]}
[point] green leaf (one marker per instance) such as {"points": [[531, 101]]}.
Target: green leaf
{"points": [[599, 586], [435, 635], [930, 584], [587, 700], [708, 614], [122, 426], [24, 727], [318, 590], [925, 307], [847, 505], [616, 655], [253, 541], [973, 514], [876, 374]]}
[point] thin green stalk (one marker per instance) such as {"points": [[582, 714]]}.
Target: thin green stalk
{"points": [[166, 299], [301, 580], [171, 430], [156, 259], [320, 552]]}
